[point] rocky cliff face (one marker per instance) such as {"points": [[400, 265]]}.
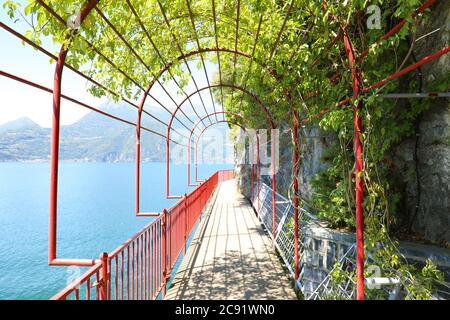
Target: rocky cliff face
{"points": [[314, 145], [422, 163]]}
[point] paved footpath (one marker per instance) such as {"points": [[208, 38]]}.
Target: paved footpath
{"points": [[230, 256]]}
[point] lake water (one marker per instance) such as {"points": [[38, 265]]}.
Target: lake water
{"points": [[96, 214]]}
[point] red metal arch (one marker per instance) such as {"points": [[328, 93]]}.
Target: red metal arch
{"points": [[169, 127], [197, 52], [269, 118], [138, 151], [225, 85], [254, 96], [192, 132], [274, 209], [151, 214], [169, 65], [203, 15], [274, 181], [258, 170], [53, 205]]}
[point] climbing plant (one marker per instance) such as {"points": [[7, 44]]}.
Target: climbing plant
{"points": [[288, 53], [386, 123]]}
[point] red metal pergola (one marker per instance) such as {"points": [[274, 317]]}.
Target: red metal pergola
{"points": [[192, 126], [192, 132]]}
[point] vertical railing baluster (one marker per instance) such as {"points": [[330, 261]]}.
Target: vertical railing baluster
{"points": [[121, 275], [164, 250], [145, 265], [116, 278], [132, 270], [155, 261], [137, 268], [149, 265], [128, 272], [97, 290], [141, 274], [104, 283], [88, 289]]}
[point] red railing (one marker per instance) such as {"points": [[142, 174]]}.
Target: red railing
{"points": [[140, 268], [226, 175]]}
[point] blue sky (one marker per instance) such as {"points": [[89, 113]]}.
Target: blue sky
{"points": [[19, 100]]}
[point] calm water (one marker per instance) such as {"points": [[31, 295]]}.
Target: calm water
{"points": [[96, 214]]}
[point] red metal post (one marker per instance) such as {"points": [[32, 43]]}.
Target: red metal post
{"points": [[138, 150], [104, 281], [258, 172], [138, 171], [253, 178], [196, 159], [133, 259], [295, 168], [357, 122], [167, 166], [54, 160], [189, 161], [274, 184], [168, 196], [186, 212], [164, 250], [55, 155]]}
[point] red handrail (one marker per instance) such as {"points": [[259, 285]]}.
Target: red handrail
{"points": [[141, 266]]}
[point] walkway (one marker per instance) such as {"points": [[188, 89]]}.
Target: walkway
{"points": [[230, 256]]}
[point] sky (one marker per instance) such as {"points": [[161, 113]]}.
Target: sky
{"points": [[19, 100]]}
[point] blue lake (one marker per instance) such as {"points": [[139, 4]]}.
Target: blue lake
{"points": [[96, 214]]}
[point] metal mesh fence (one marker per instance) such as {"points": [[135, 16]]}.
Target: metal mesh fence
{"points": [[340, 282], [284, 237]]}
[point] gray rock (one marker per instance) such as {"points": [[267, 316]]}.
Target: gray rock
{"points": [[421, 167], [426, 184]]}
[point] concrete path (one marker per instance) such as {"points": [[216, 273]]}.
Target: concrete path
{"points": [[230, 256]]}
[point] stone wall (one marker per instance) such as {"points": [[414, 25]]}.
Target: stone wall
{"points": [[323, 248], [315, 143], [422, 163]]}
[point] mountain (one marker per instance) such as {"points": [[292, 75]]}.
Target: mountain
{"points": [[21, 123], [93, 138], [24, 140]]}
